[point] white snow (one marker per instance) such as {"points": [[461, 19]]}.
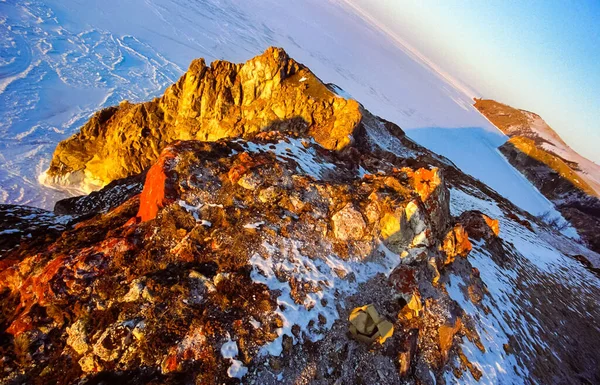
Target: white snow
{"points": [[237, 369], [9, 231], [255, 324], [309, 163], [195, 211], [229, 349], [255, 225], [381, 137], [340, 92]]}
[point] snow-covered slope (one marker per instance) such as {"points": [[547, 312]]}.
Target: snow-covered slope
{"points": [[62, 60], [535, 291]]}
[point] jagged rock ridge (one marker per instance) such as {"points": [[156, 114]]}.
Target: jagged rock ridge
{"points": [[223, 100]]}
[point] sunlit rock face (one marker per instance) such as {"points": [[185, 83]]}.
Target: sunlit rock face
{"points": [[456, 243], [223, 100], [570, 181]]}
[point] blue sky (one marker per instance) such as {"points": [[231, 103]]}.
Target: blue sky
{"points": [[542, 56]]}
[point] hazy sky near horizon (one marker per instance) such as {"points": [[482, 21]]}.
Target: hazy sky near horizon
{"points": [[542, 56]]}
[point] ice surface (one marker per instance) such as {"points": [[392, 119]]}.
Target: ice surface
{"points": [[63, 60]]}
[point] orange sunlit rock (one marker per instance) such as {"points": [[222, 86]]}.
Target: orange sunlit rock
{"points": [[493, 224], [153, 197], [243, 163], [478, 225], [456, 243], [426, 181]]}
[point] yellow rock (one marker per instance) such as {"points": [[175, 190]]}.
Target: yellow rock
{"points": [[390, 225], [208, 103], [367, 326]]}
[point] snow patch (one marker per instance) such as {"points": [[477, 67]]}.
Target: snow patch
{"points": [[325, 274], [309, 163], [255, 225], [229, 351]]}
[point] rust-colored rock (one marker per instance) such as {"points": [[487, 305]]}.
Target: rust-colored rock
{"points": [[243, 163], [403, 279], [155, 193], [493, 224], [446, 335], [404, 284], [426, 182]]}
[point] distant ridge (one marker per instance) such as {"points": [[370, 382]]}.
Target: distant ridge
{"points": [[569, 180]]}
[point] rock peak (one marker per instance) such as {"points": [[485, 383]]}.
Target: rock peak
{"points": [[270, 92]]}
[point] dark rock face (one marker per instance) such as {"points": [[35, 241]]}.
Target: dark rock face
{"points": [[23, 224], [109, 197], [479, 226]]}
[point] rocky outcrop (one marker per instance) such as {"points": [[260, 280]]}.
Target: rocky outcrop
{"points": [[221, 232], [109, 197], [552, 175], [223, 100], [479, 226], [24, 225], [555, 178], [240, 259], [456, 243], [559, 173]]}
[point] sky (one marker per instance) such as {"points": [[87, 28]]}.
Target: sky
{"points": [[541, 56]]}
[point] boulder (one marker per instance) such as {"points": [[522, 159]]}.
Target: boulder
{"points": [[455, 243], [348, 224], [479, 226], [367, 326]]}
